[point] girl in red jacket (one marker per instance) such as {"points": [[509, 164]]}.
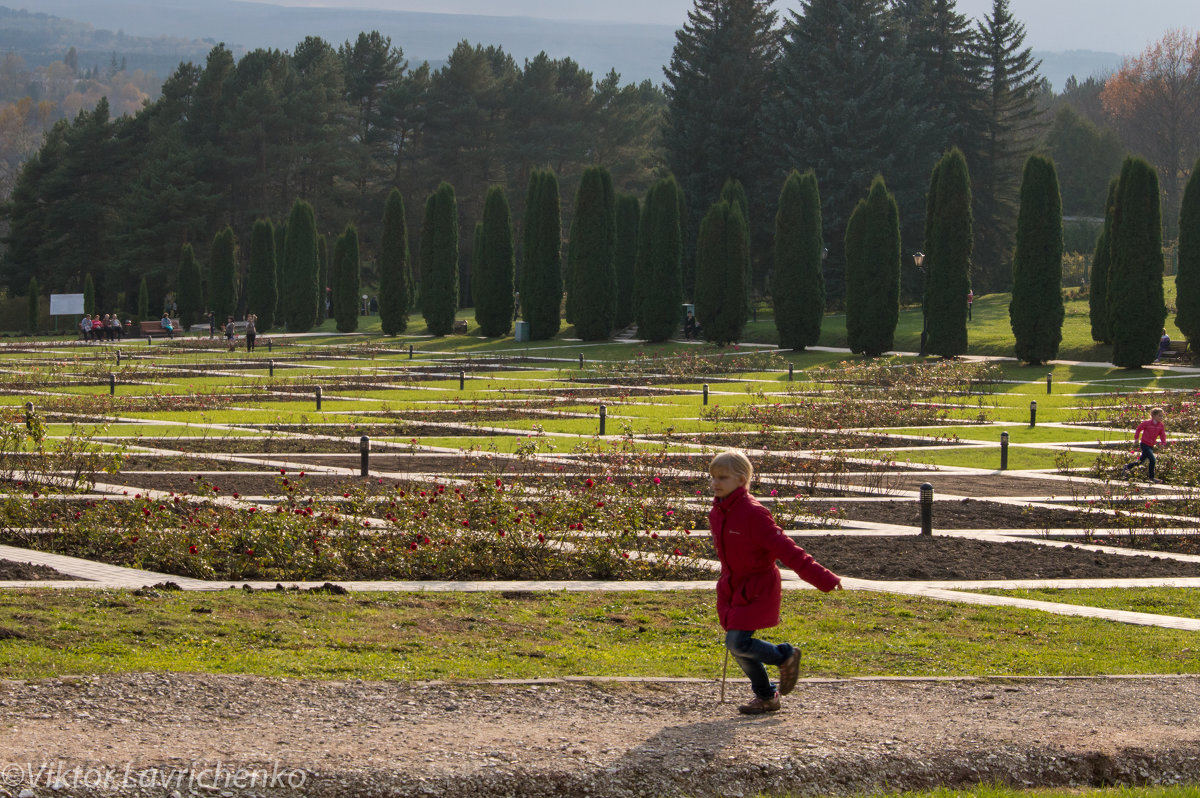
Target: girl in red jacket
{"points": [[748, 543], [1148, 433]]}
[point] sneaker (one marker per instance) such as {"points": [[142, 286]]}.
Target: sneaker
{"points": [[761, 706], [789, 671]]}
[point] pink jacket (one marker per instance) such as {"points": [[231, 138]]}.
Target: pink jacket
{"points": [[1149, 431], [748, 543]]}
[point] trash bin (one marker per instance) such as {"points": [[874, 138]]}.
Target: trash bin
{"points": [[522, 331]]}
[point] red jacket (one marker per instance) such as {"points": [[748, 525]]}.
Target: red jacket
{"points": [[1149, 431], [748, 543]]}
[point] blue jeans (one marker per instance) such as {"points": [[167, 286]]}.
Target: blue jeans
{"points": [[1147, 454], [751, 655]]}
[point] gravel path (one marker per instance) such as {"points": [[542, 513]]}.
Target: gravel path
{"points": [[583, 738]]}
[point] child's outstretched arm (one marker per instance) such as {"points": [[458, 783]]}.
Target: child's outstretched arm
{"points": [[771, 537]]}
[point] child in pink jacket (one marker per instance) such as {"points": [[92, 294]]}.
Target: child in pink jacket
{"points": [[1145, 436], [748, 542]]}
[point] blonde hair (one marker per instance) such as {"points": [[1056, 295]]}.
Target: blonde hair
{"points": [[733, 461], [1156, 411]]}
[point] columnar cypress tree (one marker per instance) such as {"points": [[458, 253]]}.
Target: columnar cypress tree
{"points": [[475, 269], [222, 274], [323, 254], [1098, 284], [32, 309], [345, 253], [799, 286], [143, 300], [593, 248], [541, 273], [873, 272], [324, 278], [1187, 280], [948, 243], [1136, 310], [497, 262], [189, 288], [89, 295], [395, 268], [658, 285], [734, 193], [720, 274], [439, 260], [1036, 311], [625, 257], [262, 295], [299, 269]]}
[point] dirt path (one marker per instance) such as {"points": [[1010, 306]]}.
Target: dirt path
{"points": [[580, 738]]}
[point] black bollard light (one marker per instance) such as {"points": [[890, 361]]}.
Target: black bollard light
{"points": [[462, 379], [410, 351], [29, 415], [1003, 451], [118, 358], [791, 371], [926, 509], [112, 384], [581, 360], [706, 393], [364, 453], [318, 397], [603, 417], [1049, 377], [1033, 414], [270, 368], [268, 344], [149, 340]]}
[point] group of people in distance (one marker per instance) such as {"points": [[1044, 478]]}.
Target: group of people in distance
{"points": [[107, 328]]}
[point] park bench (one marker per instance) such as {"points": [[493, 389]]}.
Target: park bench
{"points": [[1177, 350], [150, 329]]}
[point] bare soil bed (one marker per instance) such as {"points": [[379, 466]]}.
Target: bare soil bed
{"points": [[976, 514], [13, 571], [602, 740], [918, 558]]}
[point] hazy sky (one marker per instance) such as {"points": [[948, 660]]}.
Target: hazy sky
{"points": [[1109, 25]]}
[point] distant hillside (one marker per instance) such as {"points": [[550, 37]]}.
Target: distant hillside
{"points": [[40, 39], [1083, 64], [638, 52]]}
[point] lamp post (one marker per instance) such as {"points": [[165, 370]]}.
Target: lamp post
{"points": [[919, 262]]}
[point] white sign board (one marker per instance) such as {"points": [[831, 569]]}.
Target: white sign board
{"points": [[66, 304]]}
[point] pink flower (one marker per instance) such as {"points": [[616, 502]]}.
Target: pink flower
{"points": [[656, 481], [192, 550]]}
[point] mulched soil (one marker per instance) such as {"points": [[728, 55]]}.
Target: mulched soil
{"points": [[799, 441], [993, 485], [11, 571], [917, 558], [975, 514]]}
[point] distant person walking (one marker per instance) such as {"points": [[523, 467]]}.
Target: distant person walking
{"points": [[970, 301], [251, 332]]}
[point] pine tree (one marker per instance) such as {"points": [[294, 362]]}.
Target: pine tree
{"points": [[33, 308], [345, 253], [1136, 309], [395, 268], [948, 243], [1010, 83], [189, 287], [143, 300], [852, 102], [89, 295], [299, 269], [658, 282], [1187, 279], [1036, 311], [262, 280], [799, 286], [719, 77], [628, 211], [439, 261], [592, 253], [541, 272], [720, 274], [1098, 284], [497, 262], [873, 272], [222, 274]]}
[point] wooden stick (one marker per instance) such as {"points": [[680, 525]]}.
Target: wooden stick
{"points": [[724, 670]]}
